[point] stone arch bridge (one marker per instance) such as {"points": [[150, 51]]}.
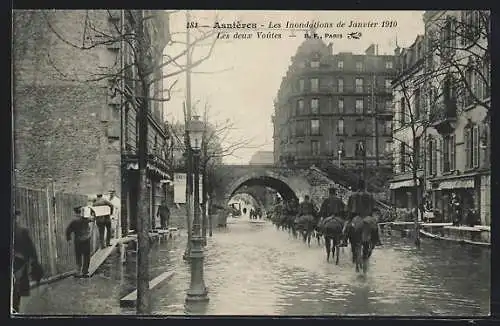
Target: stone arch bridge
{"points": [[288, 182]]}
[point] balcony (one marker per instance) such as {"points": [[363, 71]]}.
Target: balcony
{"points": [[444, 117]]}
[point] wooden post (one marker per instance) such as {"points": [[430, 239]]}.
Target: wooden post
{"points": [[51, 216]]}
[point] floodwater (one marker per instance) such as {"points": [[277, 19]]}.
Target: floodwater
{"points": [[254, 269]]}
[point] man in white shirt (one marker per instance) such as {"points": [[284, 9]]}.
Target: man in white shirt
{"points": [[115, 217]]}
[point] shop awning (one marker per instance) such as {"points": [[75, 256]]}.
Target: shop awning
{"points": [[454, 184], [158, 170], [402, 184]]}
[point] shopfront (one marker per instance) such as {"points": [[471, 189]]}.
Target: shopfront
{"points": [[403, 193], [464, 188]]}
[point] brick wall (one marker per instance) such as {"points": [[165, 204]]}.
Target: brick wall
{"points": [[61, 125]]}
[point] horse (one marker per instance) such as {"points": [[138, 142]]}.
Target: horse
{"points": [[306, 224], [331, 228], [360, 234]]}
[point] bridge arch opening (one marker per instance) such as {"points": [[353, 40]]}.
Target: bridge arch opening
{"points": [[280, 186]]}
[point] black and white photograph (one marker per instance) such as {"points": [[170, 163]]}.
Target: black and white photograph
{"points": [[185, 162]]}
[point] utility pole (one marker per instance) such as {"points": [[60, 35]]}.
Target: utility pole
{"points": [[204, 191], [189, 154], [143, 220]]}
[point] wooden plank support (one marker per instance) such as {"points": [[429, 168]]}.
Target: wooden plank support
{"points": [[130, 299], [100, 256]]}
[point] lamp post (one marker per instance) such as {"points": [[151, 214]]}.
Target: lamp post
{"points": [[340, 155], [197, 290]]}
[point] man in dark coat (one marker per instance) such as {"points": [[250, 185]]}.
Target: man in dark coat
{"points": [[332, 206], [25, 263], [307, 207], [164, 214], [361, 203], [104, 221], [80, 226]]}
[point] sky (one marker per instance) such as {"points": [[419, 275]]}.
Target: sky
{"points": [[241, 78]]}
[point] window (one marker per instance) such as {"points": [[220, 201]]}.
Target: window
{"points": [[360, 127], [448, 40], [341, 105], [340, 64], [402, 113], [341, 148], [417, 150], [315, 151], [387, 128], [402, 157], [301, 85], [359, 66], [388, 105], [359, 85], [471, 140], [340, 127], [301, 128], [340, 85], [471, 25], [417, 106], [388, 86], [388, 147], [315, 63], [314, 84], [388, 65], [432, 156], [314, 106], [359, 106], [360, 150], [299, 148], [314, 127], [448, 153], [300, 107]]}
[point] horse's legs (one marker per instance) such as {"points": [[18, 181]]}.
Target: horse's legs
{"points": [[338, 249], [328, 248], [309, 234]]}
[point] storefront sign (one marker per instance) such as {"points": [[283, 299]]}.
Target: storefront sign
{"points": [[402, 184], [180, 188], [455, 184]]}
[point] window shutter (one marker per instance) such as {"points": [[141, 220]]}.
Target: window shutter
{"points": [[452, 152], [434, 156], [441, 155], [428, 157], [475, 146], [467, 147]]}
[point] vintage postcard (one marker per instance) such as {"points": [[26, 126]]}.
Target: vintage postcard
{"points": [[223, 162]]}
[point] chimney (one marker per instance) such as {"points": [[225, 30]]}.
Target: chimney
{"points": [[330, 47], [370, 50]]}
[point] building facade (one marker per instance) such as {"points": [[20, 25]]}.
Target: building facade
{"points": [[333, 108], [73, 123], [455, 148], [409, 121], [262, 158]]}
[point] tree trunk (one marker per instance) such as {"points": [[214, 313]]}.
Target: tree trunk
{"points": [[143, 294]]}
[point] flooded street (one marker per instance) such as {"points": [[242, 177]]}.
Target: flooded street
{"points": [[253, 269]]}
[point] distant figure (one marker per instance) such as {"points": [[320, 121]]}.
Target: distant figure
{"points": [[164, 214], [81, 228], [104, 221], [25, 264], [115, 216], [307, 207], [456, 209]]}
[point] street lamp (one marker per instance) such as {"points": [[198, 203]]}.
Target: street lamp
{"points": [[197, 290], [340, 155]]}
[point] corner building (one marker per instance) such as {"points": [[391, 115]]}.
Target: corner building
{"points": [[332, 108]]}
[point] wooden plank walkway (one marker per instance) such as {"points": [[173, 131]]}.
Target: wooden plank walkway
{"points": [[131, 298], [100, 256], [437, 237]]}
